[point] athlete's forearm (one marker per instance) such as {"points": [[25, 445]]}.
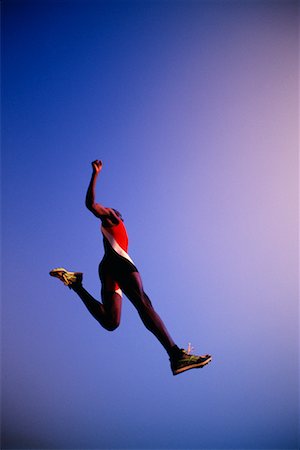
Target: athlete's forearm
{"points": [[90, 198]]}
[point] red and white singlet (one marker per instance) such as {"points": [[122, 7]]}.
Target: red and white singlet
{"points": [[118, 239], [116, 243]]}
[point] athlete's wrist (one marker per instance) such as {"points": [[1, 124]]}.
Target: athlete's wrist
{"points": [[97, 166], [95, 173]]}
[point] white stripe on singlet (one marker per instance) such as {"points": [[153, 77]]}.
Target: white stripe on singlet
{"points": [[115, 245]]}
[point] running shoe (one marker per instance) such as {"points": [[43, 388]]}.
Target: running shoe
{"points": [[68, 278], [184, 361]]}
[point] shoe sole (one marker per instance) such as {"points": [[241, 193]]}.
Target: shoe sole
{"points": [[56, 274], [59, 274], [193, 366]]}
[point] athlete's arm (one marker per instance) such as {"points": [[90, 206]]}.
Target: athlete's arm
{"points": [[107, 215]]}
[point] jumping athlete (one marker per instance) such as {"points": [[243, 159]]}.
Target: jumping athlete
{"points": [[118, 274]]}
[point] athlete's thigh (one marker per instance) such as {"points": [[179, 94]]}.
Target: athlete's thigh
{"points": [[111, 293], [132, 286]]}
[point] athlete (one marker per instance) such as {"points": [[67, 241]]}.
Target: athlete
{"points": [[118, 274]]}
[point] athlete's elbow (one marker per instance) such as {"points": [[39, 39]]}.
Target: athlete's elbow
{"points": [[90, 205], [88, 202]]}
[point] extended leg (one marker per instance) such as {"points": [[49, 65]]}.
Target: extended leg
{"points": [[133, 289]]}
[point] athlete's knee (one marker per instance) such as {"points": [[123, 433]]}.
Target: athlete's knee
{"points": [[112, 325]]}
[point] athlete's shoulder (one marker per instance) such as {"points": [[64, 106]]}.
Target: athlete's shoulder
{"points": [[112, 219]]}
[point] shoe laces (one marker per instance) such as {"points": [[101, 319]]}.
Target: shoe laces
{"points": [[65, 279], [189, 349], [68, 278]]}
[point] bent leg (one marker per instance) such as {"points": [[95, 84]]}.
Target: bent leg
{"points": [[133, 289], [108, 313]]}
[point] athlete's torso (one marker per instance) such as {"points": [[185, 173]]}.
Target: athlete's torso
{"points": [[116, 263], [115, 234]]}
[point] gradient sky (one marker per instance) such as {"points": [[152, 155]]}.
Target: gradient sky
{"points": [[193, 108]]}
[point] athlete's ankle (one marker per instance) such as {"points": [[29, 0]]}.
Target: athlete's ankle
{"points": [[76, 286], [174, 352]]}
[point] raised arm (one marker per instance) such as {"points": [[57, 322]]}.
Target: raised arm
{"points": [[105, 214]]}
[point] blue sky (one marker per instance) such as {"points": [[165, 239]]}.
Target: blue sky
{"points": [[193, 108]]}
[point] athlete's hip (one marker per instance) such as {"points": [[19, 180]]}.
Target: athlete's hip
{"points": [[116, 264]]}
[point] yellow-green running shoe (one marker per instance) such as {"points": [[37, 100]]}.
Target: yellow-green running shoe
{"points": [[68, 278], [184, 361]]}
